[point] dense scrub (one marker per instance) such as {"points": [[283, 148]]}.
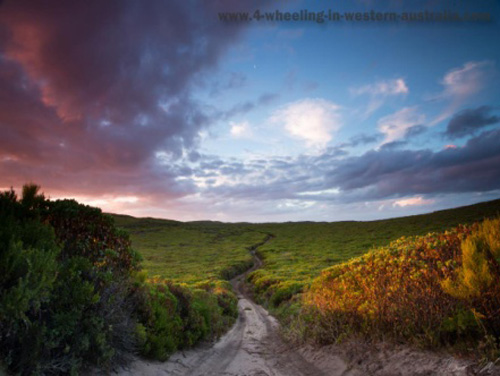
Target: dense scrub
{"points": [[300, 251], [435, 290], [72, 294], [176, 317]]}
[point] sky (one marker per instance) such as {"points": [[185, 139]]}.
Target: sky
{"points": [[163, 109]]}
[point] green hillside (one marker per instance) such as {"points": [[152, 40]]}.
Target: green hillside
{"points": [[195, 251]]}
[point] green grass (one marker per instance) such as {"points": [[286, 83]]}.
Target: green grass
{"points": [[191, 252], [300, 251]]}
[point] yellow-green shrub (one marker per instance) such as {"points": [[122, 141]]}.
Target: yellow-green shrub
{"points": [[430, 290], [477, 281]]}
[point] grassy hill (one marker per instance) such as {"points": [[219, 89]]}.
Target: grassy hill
{"points": [[300, 251], [191, 252], [334, 262]]}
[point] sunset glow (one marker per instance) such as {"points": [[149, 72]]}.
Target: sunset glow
{"points": [[159, 108]]}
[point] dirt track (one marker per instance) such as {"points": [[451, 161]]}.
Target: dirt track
{"points": [[252, 347]]}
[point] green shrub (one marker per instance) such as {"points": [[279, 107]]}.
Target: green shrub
{"points": [[66, 290], [28, 270], [284, 291], [434, 290], [177, 317], [477, 281], [161, 322], [85, 231]]}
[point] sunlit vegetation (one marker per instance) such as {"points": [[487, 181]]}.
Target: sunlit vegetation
{"points": [[300, 251], [191, 252], [440, 289]]}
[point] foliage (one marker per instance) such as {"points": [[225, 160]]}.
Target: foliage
{"points": [[431, 290], [28, 270], [66, 294], [300, 251], [85, 231], [72, 292], [191, 252], [293, 256], [177, 317], [477, 280]]}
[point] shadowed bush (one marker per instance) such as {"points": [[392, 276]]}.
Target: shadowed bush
{"points": [[66, 293], [176, 317], [72, 294]]}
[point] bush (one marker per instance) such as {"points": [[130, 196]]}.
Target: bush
{"points": [[477, 280], [176, 317], [66, 292], [85, 231], [432, 290], [72, 294], [28, 270]]}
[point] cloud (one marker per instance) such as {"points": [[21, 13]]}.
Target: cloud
{"points": [[415, 131], [311, 120], [241, 130], [459, 84], [469, 121], [387, 173], [245, 107], [396, 126], [466, 80], [393, 145], [380, 91], [361, 139], [383, 88], [383, 174], [93, 92], [413, 201], [230, 81]]}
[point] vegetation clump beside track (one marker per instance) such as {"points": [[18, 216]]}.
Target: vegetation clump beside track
{"points": [[300, 251], [73, 294], [441, 289]]}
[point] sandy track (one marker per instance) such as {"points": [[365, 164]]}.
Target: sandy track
{"points": [[252, 347]]}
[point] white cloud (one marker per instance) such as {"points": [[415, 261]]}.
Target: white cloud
{"points": [[241, 130], [413, 201], [384, 88], [395, 126], [379, 92], [462, 83], [310, 120], [466, 80]]}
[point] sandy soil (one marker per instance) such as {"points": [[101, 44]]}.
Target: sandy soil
{"points": [[253, 347]]}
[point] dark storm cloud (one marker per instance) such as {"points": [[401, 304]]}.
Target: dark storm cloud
{"points": [[92, 90], [393, 173], [469, 121]]}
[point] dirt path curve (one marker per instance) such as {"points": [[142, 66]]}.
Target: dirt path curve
{"points": [[252, 347]]}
